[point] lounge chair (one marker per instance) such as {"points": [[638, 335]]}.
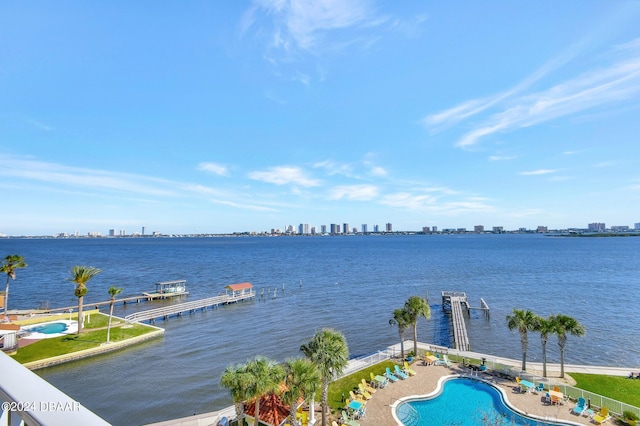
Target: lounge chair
{"points": [[581, 405], [364, 392], [348, 420], [368, 387], [390, 375], [400, 373], [408, 370], [602, 415], [359, 398], [540, 387], [443, 360]]}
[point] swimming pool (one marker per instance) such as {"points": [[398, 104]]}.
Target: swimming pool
{"points": [[50, 329], [463, 401]]}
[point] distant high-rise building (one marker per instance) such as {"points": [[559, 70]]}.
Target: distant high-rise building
{"points": [[478, 229], [498, 229], [303, 229], [364, 228], [144, 228], [597, 227], [112, 232], [376, 228], [426, 230], [542, 229], [323, 229], [434, 229], [345, 228], [636, 226], [389, 227], [335, 228]]}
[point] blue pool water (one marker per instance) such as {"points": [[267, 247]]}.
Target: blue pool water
{"points": [[51, 328], [463, 402]]}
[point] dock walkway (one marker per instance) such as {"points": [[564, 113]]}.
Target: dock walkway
{"points": [[180, 308], [456, 302]]}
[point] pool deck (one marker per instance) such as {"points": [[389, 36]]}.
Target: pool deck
{"points": [[379, 407]]}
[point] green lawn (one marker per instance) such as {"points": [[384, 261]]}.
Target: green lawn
{"points": [[348, 383], [47, 348], [614, 387]]}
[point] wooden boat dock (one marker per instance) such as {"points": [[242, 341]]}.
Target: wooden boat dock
{"points": [[164, 290], [456, 303], [235, 293]]}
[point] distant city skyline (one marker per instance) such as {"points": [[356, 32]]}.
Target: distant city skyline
{"points": [[250, 113], [336, 229]]}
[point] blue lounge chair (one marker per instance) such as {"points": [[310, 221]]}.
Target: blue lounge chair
{"points": [[581, 405], [390, 375], [540, 387], [400, 373]]}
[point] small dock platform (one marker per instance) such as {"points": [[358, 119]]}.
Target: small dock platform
{"points": [[234, 293], [456, 303]]}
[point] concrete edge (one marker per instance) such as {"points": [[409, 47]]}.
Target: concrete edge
{"points": [[86, 353]]}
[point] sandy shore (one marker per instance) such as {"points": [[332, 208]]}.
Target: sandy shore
{"points": [[378, 410]]}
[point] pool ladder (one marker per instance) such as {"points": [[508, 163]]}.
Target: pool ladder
{"points": [[408, 415]]}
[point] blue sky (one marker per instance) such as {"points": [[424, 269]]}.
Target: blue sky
{"points": [[224, 116]]}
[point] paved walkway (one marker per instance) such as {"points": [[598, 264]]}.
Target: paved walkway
{"points": [[425, 382]]}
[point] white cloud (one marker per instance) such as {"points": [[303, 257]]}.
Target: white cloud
{"points": [[284, 175], [538, 172], [354, 192], [501, 157], [215, 168]]}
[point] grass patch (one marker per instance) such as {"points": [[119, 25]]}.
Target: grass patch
{"points": [[350, 382], [47, 348], [615, 387]]}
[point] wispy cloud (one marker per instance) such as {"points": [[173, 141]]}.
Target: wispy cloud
{"points": [[354, 192], [501, 157], [40, 125], [538, 172], [284, 175], [432, 204], [40, 175], [602, 86], [303, 24], [215, 168]]}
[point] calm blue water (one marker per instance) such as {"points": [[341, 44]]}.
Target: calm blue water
{"points": [[350, 283], [468, 402]]}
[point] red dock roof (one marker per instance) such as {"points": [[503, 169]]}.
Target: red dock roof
{"points": [[240, 286]]}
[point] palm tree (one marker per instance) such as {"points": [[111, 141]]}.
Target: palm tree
{"points": [[81, 275], [265, 378], [565, 324], [416, 307], [11, 263], [302, 380], [544, 326], [113, 292], [523, 320], [328, 350], [237, 381], [401, 319]]}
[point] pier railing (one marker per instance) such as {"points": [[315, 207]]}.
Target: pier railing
{"points": [[180, 308]]}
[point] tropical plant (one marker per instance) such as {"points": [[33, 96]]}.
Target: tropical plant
{"points": [[544, 326], [265, 378], [401, 319], [302, 380], [416, 307], [237, 381], [81, 275], [113, 292], [564, 325], [328, 350], [11, 263], [523, 321]]}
